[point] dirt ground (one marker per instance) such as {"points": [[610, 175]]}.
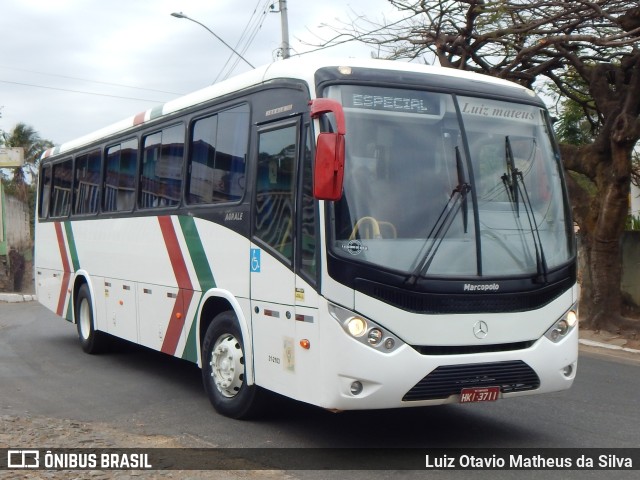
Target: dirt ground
{"points": [[40, 432]]}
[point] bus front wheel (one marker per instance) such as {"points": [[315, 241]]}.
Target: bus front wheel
{"points": [[91, 340], [224, 372]]}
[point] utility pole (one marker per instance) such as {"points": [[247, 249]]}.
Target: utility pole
{"points": [[284, 21]]}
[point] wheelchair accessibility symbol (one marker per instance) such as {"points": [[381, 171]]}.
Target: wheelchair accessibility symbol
{"points": [[255, 260]]}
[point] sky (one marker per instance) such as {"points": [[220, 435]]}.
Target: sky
{"points": [[70, 67]]}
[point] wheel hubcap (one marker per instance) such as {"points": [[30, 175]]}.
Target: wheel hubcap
{"points": [[85, 319], [227, 369]]}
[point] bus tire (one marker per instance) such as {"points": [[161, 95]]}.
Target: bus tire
{"points": [[91, 340], [224, 372]]}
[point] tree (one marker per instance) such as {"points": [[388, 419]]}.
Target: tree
{"points": [[588, 50], [26, 137], [22, 183]]}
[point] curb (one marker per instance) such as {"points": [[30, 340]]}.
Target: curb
{"points": [[16, 298], [591, 343]]}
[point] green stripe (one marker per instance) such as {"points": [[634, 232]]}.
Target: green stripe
{"points": [[72, 246], [197, 254], [156, 112], [205, 279], [190, 352], [69, 316]]}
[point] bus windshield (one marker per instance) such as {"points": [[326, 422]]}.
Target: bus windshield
{"points": [[444, 185]]}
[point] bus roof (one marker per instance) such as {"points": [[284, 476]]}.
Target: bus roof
{"points": [[301, 68]]}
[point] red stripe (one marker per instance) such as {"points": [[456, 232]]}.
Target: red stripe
{"points": [[65, 267], [139, 118], [185, 292], [176, 323]]}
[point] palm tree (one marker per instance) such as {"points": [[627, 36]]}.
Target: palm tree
{"points": [[26, 137]]}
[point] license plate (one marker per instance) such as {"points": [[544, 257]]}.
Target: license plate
{"points": [[479, 394]]}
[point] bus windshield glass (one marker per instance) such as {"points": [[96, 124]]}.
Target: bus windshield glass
{"points": [[444, 185]]}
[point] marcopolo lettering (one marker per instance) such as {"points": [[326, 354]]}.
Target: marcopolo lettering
{"points": [[481, 287]]}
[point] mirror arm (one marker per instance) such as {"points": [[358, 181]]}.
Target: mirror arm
{"points": [[320, 106]]}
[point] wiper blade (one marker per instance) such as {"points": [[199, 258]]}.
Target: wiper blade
{"points": [[462, 184], [457, 200], [510, 177], [514, 183]]}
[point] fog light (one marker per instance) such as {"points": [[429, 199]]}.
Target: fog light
{"points": [[356, 388], [389, 343], [356, 326], [568, 370], [375, 336]]}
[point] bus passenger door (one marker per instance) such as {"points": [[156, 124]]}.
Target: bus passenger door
{"points": [[273, 281], [307, 361]]}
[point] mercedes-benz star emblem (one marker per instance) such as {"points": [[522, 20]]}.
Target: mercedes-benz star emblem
{"points": [[480, 329]]}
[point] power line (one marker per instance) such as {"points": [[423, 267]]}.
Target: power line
{"points": [[253, 25], [82, 92], [90, 81]]}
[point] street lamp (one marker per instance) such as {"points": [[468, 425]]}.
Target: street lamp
{"points": [[182, 15]]}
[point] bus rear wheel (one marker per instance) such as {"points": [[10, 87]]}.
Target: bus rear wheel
{"points": [[91, 340], [224, 371]]}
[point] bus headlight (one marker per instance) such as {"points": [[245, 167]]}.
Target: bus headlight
{"points": [[356, 326], [364, 330], [563, 326]]}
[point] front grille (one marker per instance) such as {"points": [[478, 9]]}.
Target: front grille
{"points": [[512, 376], [469, 349]]}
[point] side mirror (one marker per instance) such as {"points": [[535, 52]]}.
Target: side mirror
{"points": [[329, 169], [330, 152]]}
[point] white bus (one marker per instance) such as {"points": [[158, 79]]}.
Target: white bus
{"points": [[350, 234]]}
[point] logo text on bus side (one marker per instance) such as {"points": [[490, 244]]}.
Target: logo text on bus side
{"points": [[233, 216]]}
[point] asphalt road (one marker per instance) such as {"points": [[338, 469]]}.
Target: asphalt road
{"points": [[43, 372]]}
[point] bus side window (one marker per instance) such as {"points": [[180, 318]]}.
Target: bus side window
{"points": [[161, 176], [274, 190], [87, 183], [308, 214], [61, 195], [45, 192], [119, 191], [217, 155]]}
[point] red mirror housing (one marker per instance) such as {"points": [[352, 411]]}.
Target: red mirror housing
{"points": [[330, 152], [329, 168]]}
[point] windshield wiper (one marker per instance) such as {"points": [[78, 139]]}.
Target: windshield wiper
{"points": [[510, 177], [462, 185], [514, 183], [457, 200]]}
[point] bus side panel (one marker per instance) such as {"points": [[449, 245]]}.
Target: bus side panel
{"points": [[53, 268], [120, 308], [125, 257], [154, 303]]}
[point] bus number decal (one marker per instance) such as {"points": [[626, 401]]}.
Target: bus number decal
{"points": [[273, 359]]}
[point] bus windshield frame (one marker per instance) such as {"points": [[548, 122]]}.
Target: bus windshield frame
{"points": [[444, 185]]}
